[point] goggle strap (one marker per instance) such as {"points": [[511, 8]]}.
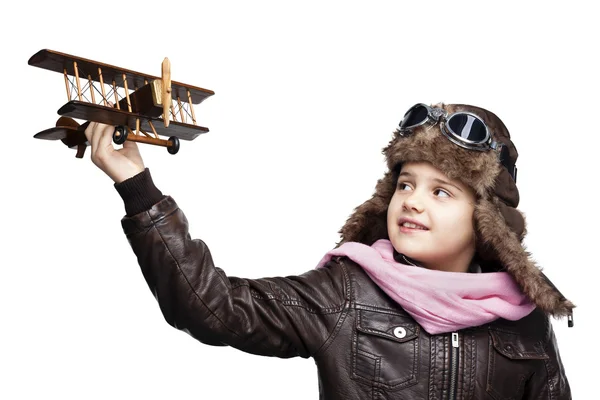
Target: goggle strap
{"points": [[505, 161]]}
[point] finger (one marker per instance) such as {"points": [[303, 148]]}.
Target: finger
{"points": [[89, 131], [102, 130]]}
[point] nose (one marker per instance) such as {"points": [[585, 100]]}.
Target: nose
{"points": [[413, 202]]}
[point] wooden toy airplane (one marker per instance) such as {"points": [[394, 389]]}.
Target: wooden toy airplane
{"points": [[142, 103]]}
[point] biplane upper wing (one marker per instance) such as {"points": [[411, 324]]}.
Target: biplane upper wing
{"points": [[113, 116], [105, 73]]}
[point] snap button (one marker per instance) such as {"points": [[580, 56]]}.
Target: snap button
{"points": [[399, 332], [508, 348]]}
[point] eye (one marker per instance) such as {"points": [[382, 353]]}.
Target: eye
{"points": [[402, 185], [445, 193]]}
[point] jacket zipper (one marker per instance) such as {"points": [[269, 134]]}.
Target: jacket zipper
{"points": [[453, 366]]}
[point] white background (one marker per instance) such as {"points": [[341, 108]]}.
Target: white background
{"points": [[307, 94]]}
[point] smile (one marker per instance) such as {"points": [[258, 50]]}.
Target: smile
{"points": [[413, 226]]}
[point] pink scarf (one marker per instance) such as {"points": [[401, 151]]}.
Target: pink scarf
{"points": [[439, 301]]}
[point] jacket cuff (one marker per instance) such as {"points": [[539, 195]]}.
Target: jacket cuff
{"points": [[139, 193]]}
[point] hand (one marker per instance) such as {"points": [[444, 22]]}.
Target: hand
{"points": [[120, 164]]}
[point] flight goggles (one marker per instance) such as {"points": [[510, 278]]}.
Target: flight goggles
{"points": [[462, 128]]}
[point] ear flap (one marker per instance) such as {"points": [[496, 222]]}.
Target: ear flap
{"points": [[498, 240], [514, 219]]}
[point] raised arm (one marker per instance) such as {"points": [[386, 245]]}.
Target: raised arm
{"points": [[283, 317]]}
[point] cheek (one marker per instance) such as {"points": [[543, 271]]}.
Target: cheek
{"points": [[392, 212], [393, 208], [460, 222]]}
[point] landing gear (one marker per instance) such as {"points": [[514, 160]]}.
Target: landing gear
{"points": [[174, 147], [120, 134]]}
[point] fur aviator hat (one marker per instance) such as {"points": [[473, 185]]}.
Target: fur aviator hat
{"points": [[500, 227]]}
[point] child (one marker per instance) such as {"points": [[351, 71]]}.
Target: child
{"points": [[429, 294]]}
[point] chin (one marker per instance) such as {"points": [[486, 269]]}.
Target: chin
{"points": [[410, 250], [401, 246]]}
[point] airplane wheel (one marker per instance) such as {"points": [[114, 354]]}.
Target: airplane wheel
{"points": [[120, 135], [174, 148]]}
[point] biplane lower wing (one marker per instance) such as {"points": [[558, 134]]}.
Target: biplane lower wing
{"points": [[113, 116]]}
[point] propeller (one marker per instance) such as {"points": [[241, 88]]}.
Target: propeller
{"points": [[74, 138], [67, 122], [68, 131], [167, 97]]}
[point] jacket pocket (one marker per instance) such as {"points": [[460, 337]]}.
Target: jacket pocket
{"points": [[385, 350], [512, 360]]}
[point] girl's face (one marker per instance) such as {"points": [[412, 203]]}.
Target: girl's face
{"points": [[445, 239]]}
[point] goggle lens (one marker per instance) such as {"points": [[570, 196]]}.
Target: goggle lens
{"points": [[414, 116], [467, 127]]}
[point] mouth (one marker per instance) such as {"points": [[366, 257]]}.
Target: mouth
{"points": [[409, 225]]}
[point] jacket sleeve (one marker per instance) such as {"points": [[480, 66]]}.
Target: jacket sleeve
{"points": [[280, 316], [550, 382]]}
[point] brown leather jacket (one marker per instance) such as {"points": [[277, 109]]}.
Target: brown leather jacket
{"points": [[365, 346]]}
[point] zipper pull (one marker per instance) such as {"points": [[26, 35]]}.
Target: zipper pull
{"points": [[455, 339]]}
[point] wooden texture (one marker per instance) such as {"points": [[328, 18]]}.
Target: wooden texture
{"points": [[77, 79], [127, 93], [173, 112], [147, 134], [56, 133], [181, 113], [72, 137], [112, 116], [148, 140], [102, 86], [153, 130], [92, 89], [68, 122], [67, 85], [65, 127], [58, 62], [114, 84], [167, 91], [191, 108]]}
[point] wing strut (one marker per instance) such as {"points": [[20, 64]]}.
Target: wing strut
{"points": [[102, 86], [77, 79], [67, 85], [191, 106]]}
